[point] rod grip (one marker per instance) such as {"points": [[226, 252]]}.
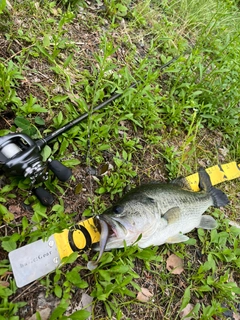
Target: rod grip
{"points": [[62, 172]]}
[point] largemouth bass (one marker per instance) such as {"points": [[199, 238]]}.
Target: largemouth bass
{"points": [[158, 213]]}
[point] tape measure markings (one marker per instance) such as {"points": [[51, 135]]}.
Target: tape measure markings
{"points": [[78, 237], [72, 243], [217, 173]]}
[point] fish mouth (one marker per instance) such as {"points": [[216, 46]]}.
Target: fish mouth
{"points": [[113, 224], [108, 233], [116, 230]]}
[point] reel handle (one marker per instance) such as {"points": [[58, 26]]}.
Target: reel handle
{"points": [[62, 172], [44, 196]]}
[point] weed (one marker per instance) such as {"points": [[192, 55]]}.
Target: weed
{"points": [[116, 9], [9, 77]]}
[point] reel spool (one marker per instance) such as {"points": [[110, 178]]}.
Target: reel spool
{"points": [[20, 156]]}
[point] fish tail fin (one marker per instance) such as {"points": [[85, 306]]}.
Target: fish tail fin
{"points": [[219, 197]]}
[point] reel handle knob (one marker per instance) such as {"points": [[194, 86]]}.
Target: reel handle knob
{"points": [[44, 196], [62, 172]]}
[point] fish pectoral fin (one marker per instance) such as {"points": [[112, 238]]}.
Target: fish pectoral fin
{"points": [[172, 215], [207, 222], [177, 238]]}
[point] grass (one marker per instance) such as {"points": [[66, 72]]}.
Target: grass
{"points": [[56, 59]]}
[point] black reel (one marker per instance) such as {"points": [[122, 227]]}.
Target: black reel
{"points": [[21, 156]]}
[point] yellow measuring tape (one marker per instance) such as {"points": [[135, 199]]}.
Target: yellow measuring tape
{"points": [[79, 237], [218, 174], [85, 233]]}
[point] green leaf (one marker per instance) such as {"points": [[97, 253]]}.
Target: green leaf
{"points": [[101, 190], [9, 245], [104, 147], [105, 274], [46, 153], [74, 277], [60, 98], [71, 162], [118, 162], [70, 259], [39, 120], [25, 223], [124, 155], [6, 188], [205, 288], [25, 125], [120, 269], [6, 215], [60, 118], [191, 241], [68, 60], [196, 93], [22, 122], [64, 145], [58, 208], [186, 298], [80, 315], [122, 10], [58, 312], [46, 40], [40, 210], [58, 291], [38, 108], [3, 271], [2, 5]]}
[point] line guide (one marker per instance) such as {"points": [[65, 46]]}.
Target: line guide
{"points": [[39, 258]]}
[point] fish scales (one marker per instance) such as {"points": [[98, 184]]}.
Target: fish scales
{"points": [[176, 196]]}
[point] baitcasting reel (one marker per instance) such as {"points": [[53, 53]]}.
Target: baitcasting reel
{"points": [[21, 156]]}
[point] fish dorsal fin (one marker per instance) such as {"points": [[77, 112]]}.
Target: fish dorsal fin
{"points": [[172, 215], [181, 182], [207, 222], [204, 180], [177, 238]]}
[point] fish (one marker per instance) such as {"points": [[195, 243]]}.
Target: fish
{"points": [[157, 213]]}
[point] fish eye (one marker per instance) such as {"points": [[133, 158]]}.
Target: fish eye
{"points": [[117, 209]]}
